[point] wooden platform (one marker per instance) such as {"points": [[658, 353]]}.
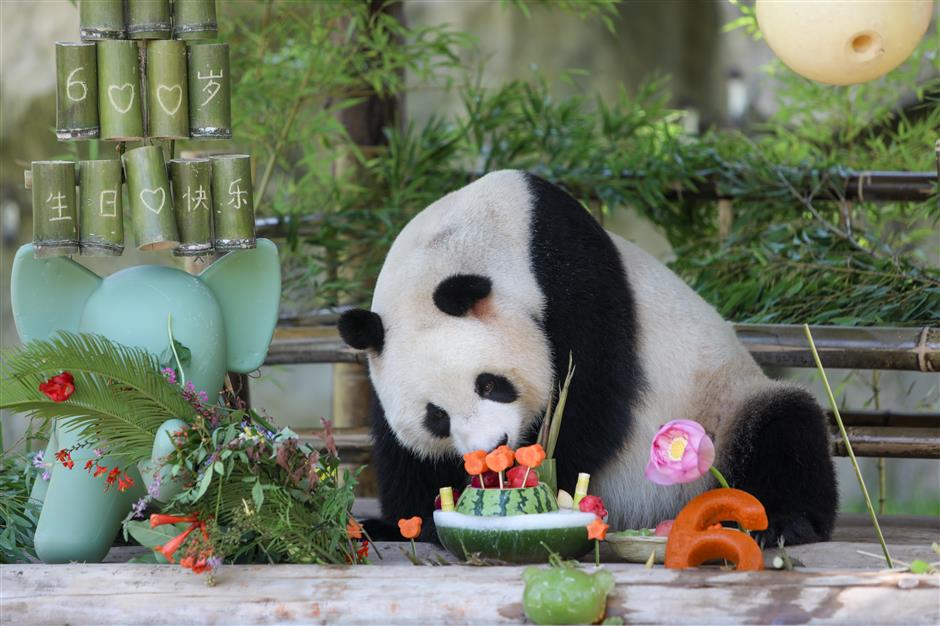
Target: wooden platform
{"points": [[837, 586]]}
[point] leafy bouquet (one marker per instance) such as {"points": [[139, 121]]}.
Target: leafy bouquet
{"points": [[232, 487]]}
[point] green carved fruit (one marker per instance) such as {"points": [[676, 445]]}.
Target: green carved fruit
{"points": [[503, 502], [515, 538], [565, 595]]}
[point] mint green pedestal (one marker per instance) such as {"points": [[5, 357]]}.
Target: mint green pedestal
{"points": [[225, 316]]}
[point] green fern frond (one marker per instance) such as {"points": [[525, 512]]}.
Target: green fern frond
{"points": [[94, 354], [120, 396]]}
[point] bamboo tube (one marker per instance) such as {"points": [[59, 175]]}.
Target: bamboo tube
{"points": [[194, 19], [101, 222], [119, 107], [210, 108], [231, 197], [55, 216], [101, 19], [148, 19], [76, 94], [192, 197], [148, 192], [167, 90]]}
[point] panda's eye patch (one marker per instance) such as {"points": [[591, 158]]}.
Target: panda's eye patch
{"points": [[496, 388], [437, 421]]}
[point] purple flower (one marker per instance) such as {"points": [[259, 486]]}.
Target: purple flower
{"points": [[38, 461], [170, 374], [680, 453], [153, 490], [46, 476], [137, 511], [99, 453]]}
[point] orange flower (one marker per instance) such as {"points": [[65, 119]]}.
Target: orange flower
{"points": [[410, 528], [475, 462], [597, 529], [531, 456], [353, 529], [501, 458]]}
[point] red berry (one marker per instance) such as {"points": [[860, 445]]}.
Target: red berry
{"points": [[517, 474], [593, 504]]}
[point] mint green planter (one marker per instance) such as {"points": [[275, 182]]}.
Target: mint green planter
{"points": [[225, 316]]}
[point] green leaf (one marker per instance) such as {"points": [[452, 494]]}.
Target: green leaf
{"points": [[257, 494]]}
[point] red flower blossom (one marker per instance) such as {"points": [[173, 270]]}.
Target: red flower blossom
{"points": [[58, 388], [198, 564], [111, 477], [89, 465], [159, 519], [65, 457], [363, 552], [170, 547], [99, 470], [125, 483]]}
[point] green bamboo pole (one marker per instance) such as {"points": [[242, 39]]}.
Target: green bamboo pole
{"points": [[848, 444], [76, 94], [210, 107], [119, 106], [55, 216], [101, 19], [167, 90], [151, 204], [148, 19], [192, 197], [194, 19], [102, 214], [232, 199]]}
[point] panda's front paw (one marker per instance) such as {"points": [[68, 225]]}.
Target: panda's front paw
{"points": [[794, 529]]}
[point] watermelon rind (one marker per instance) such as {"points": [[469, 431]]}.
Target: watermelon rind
{"points": [[507, 502], [515, 538]]}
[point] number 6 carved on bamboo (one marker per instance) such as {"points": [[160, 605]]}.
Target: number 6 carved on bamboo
{"points": [[692, 541]]}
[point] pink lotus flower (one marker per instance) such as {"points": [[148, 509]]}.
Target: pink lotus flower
{"points": [[681, 452]]}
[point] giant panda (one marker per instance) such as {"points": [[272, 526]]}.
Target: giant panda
{"points": [[481, 299]]}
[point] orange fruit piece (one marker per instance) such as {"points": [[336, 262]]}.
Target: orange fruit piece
{"points": [[475, 462], [410, 528]]}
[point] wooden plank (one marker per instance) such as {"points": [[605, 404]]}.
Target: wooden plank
{"points": [[782, 345], [104, 594]]}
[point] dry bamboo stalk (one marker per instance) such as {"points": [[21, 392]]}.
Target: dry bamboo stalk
{"points": [[55, 214], [76, 93], [192, 198], [167, 90], [210, 108], [148, 192], [119, 101], [102, 19], [101, 208], [234, 217], [194, 19], [148, 19]]}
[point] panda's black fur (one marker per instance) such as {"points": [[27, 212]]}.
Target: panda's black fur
{"points": [[779, 449]]}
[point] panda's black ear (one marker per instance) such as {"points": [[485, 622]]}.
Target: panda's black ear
{"points": [[459, 293], [362, 329]]}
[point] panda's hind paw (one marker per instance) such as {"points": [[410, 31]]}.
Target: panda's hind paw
{"points": [[793, 529]]}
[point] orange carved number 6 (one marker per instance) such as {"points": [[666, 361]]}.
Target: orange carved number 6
{"points": [[691, 542]]}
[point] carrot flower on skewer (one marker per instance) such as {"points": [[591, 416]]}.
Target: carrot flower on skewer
{"points": [[530, 456], [500, 459], [475, 464]]}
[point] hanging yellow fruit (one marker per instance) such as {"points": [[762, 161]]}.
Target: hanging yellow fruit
{"points": [[843, 42]]}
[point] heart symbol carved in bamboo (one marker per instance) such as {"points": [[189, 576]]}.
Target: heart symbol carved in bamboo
{"points": [[176, 91], [121, 89], [148, 197]]}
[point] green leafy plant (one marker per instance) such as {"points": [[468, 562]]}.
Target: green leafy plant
{"points": [[18, 513], [789, 255]]}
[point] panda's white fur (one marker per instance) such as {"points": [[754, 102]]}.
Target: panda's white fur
{"points": [[692, 364]]}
